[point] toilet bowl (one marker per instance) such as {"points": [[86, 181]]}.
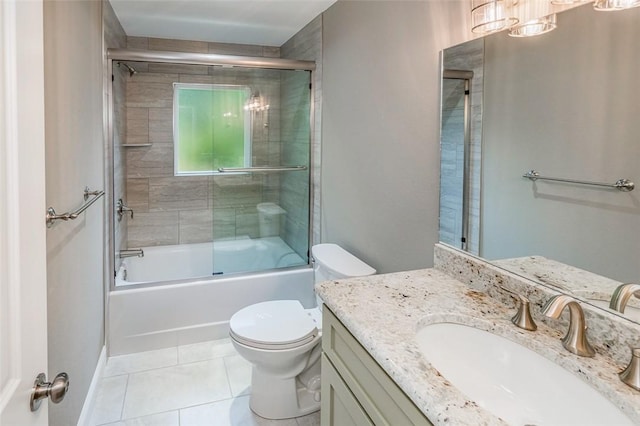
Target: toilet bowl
{"points": [[281, 339]]}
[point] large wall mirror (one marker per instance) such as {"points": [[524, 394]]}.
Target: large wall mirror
{"points": [[567, 105]]}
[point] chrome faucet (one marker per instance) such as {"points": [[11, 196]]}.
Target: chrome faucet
{"points": [[631, 375], [136, 252], [576, 339], [622, 294]]}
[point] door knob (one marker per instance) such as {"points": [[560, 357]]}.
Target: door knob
{"points": [[42, 389]]}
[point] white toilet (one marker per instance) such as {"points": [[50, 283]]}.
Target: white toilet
{"points": [[282, 341]]}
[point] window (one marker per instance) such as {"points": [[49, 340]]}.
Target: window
{"points": [[211, 128]]}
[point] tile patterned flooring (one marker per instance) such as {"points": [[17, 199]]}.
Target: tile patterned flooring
{"points": [[204, 384]]}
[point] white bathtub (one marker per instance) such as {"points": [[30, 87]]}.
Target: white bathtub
{"points": [[178, 262], [155, 314]]}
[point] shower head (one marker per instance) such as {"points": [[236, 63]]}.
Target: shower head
{"points": [[132, 71]]}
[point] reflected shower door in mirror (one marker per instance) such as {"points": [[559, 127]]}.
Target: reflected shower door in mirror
{"points": [[214, 161], [565, 104], [454, 160]]}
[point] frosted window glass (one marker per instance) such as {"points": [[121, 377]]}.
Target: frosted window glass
{"points": [[211, 128]]}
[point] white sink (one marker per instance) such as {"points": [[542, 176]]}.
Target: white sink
{"points": [[630, 312], [511, 381]]}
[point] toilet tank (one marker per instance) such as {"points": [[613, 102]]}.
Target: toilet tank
{"points": [[332, 262]]}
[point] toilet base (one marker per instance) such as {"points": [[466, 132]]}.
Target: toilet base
{"points": [[276, 398]]}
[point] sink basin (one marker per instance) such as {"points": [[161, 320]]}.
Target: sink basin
{"points": [[630, 312], [511, 381]]}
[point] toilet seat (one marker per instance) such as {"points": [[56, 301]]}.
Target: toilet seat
{"points": [[279, 324]]}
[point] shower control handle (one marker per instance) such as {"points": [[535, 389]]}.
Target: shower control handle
{"points": [[121, 209]]}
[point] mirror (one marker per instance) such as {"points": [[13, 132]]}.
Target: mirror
{"points": [[565, 104]]}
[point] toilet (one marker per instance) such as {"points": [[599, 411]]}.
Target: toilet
{"points": [[281, 339]]}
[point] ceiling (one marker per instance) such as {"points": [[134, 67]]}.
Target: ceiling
{"points": [[261, 22]]}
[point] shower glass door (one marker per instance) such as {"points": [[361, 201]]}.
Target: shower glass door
{"points": [[259, 155], [214, 160], [454, 163]]}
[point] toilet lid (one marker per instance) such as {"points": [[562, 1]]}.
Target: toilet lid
{"points": [[279, 324]]}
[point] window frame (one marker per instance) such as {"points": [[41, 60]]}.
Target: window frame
{"points": [[247, 119]]}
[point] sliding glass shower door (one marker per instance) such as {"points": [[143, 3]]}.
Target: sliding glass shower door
{"points": [[455, 158], [215, 162], [259, 184]]}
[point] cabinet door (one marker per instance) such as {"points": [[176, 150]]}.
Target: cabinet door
{"points": [[339, 406]]}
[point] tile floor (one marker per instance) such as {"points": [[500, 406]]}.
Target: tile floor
{"points": [[204, 384]]}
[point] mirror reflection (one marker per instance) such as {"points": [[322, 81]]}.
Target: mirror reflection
{"points": [[564, 104]]}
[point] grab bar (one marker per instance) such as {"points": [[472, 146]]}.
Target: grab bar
{"points": [[261, 169], [624, 185], [52, 216]]}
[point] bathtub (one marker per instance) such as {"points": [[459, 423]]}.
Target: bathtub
{"points": [[178, 262], [157, 302]]}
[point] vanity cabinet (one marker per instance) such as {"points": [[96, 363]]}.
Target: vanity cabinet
{"points": [[355, 389]]}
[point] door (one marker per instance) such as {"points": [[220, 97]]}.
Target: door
{"points": [[23, 298]]}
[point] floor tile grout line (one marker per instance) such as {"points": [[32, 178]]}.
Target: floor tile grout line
{"points": [[126, 389]]}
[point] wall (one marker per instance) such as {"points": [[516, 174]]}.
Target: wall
{"points": [[74, 159], [572, 116], [381, 102]]}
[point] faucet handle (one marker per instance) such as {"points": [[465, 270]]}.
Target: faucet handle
{"points": [[522, 318], [631, 375]]}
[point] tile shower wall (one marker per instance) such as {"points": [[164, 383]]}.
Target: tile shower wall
{"points": [[305, 45], [179, 210]]}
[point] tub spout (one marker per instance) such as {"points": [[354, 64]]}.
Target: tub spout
{"points": [[576, 339], [136, 252]]}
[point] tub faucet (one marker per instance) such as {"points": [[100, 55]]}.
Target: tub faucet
{"points": [[576, 339], [137, 252], [622, 294], [122, 209]]}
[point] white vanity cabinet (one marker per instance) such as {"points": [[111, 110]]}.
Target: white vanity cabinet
{"points": [[355, 389]]}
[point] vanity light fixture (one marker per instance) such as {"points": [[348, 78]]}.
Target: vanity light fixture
{"points": [[536, 17], [534, 27], [489, 16], [613, 5]]}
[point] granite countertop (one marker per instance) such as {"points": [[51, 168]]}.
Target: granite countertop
{"points": [[384, 312]]}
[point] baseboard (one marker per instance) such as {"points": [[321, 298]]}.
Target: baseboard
{"points": [[90, 400]]}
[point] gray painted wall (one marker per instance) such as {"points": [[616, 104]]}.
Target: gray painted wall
{"points": [[74, 159], [380, 127], [572, 116]]}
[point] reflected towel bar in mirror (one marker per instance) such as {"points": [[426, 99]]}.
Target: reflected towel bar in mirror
{"points": [[52, 216], [624, 185], [261, 169]]}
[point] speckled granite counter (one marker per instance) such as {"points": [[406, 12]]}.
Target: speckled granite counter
{"points": [[384, 312]]}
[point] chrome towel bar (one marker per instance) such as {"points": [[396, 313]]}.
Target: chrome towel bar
{"points": [[261, 169], [624, 185], [52, 216]]}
